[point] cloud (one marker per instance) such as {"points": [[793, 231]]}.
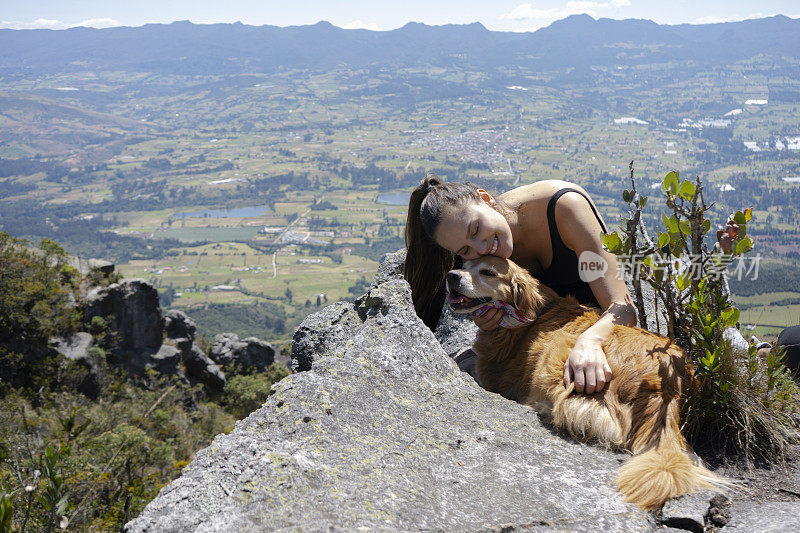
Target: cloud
{"points": [[357, 24], [527, 11], [51, 24], [37, 24], [99, 23]]}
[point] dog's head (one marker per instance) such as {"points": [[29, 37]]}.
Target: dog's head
{"points": [[490, 278]]}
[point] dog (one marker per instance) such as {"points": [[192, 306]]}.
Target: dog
{"points": [[637, 411]]}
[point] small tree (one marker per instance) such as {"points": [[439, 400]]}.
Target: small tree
{"points": [[742, 406]]}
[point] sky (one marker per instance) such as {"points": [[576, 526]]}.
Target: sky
{"points": [[377, 15]]}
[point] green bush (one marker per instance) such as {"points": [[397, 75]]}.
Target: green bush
{"points": [[743, 407], [101, 461], [67, 460], [245, 393], [36, 293]]}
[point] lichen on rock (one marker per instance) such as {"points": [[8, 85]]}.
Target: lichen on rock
{"points": [[382, 431]]}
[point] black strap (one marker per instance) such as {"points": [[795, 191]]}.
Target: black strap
{"points": [[555, 239]]}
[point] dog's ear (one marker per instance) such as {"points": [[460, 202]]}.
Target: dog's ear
{"points": [[520, 295], [525, 293]]}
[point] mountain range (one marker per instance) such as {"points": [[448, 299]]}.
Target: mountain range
{"points": [[578, 41]]}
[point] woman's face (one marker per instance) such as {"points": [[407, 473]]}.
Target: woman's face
{"points": [[474, 229]]}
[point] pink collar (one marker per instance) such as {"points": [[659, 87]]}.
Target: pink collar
{"points": [[511, 318]]}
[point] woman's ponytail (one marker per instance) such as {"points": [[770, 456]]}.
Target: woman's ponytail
{"points": [[426, 263]]}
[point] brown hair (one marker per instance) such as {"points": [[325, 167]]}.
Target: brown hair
{"points": [[427, 263]]}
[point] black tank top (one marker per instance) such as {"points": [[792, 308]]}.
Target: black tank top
{"points": [[562, 274]]}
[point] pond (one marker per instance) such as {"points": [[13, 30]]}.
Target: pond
{"points": [[393, 198]]}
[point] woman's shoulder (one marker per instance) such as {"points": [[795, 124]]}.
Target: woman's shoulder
{"points": [[536, 191]]}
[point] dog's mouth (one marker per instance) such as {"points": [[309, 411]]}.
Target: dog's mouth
{"points": [[462, 303]]}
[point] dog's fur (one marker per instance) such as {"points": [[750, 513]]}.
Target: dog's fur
{"points": [[638, 410]]}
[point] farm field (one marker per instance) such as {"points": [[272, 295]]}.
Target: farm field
{"points": [[235, 272], [202, 181]]}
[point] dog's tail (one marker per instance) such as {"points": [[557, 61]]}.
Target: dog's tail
{"points": [[651, 478]]}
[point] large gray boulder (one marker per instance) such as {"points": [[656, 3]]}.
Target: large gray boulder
{"points": [[133, 313], [178, 326], [77, 348], [166, 360], [202, 368], [391, 267], [228, 349], [86, 266], [383, 432], [326, 331]]}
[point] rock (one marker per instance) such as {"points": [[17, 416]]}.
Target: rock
{"points": [[385, 433], [178, 326], [764, 517], [76, 348], [106, 267], [718, 514], [455, 332], [133, 311], [736, 340], [391, 267], [227, 349], [691, 512], [201, 367], [323, 332], [166, 360], [85, 266]]}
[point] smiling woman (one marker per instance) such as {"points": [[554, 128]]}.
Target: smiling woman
{"points": [[451, 222]]}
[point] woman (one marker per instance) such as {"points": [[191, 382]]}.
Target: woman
{"points": [[544, 227]]}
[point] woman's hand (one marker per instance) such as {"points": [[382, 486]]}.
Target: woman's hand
{"points": [[489, 320], [587, 365]]}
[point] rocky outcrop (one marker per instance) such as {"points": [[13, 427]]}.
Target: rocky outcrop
{"points": [[384, 432], [86, 266], [77, 348], [228, 349], [199, 366], [391, 267], [132, 311], [146, 339], [178, 326], [326, 331], [381, 431]]}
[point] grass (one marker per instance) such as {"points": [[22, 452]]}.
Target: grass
{"points": [[196, 269], [209, 233], [774, 316]]}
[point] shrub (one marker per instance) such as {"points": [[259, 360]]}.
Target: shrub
{"points": [[100, 461], [245, 393], [36, 294], [741, 406]]}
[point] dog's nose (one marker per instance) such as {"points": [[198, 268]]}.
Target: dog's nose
{"points": [[452, 277]]}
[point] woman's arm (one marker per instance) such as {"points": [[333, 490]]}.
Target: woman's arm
{"points": [[580, 230]]}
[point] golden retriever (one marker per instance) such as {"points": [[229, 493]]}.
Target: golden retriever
{"points": [[638, 410]]}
